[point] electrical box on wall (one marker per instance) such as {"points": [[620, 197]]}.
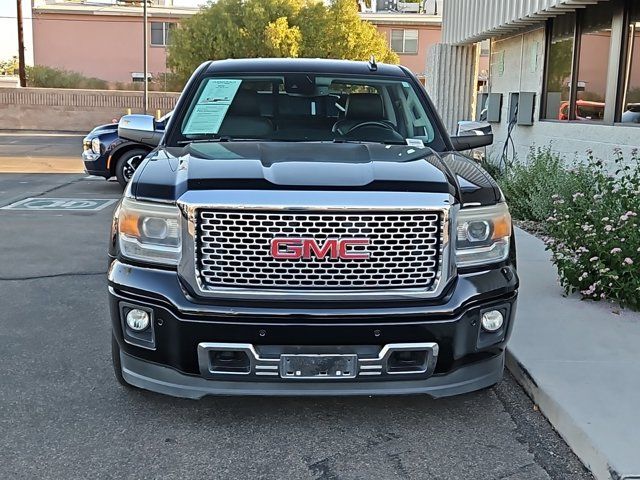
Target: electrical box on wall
{"points": [[521, 106], [494, 107], [526, 106], [481, 106], [513, 107]]}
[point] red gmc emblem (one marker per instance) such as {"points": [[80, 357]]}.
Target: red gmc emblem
{"points": [[307, 248]]}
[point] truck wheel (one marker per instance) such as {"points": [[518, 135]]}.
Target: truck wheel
{"points": [[127, 165], [115, 360]]}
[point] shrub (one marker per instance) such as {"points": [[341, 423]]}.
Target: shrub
{"points": [[594, 232], [47, 77], [159, 82], [9, 67], [529, 186]]}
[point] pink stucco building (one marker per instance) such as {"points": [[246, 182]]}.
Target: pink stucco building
{"points": [[105, 41], [102, 41]]}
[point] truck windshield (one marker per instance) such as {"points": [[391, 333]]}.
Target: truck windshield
{"points": [[306, 108]]}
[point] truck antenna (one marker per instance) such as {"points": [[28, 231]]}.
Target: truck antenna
{"points": [[373, 66]]}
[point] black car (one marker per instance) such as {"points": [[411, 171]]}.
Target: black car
{"points": [[307, 227], [107, 155]]}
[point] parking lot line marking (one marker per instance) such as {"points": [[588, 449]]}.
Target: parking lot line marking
{"points": [[61, 204]]}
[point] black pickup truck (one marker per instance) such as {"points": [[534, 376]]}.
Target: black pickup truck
{"points": [[307, 227]]}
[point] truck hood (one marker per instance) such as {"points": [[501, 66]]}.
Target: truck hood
{"points": [[169, 172]]}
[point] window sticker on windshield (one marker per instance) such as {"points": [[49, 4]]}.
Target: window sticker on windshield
{"points": [[212, 106], [415, 142]]}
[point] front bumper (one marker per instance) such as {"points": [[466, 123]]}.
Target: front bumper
{"points": [[468, 358], [95, 164], [168, 381]]}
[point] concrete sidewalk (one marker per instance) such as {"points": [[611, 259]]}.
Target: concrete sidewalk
{"points": [[580, 361]]}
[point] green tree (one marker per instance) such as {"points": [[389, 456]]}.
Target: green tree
{"points": [[9, 67], [275, 28]]}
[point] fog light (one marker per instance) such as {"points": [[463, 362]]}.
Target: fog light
{"points": [[492, 320], [137, 319]]}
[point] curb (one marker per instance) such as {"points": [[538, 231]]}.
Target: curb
{"points": [[566, 426]]}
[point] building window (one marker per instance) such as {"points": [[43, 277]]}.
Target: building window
{"points": [[584, 81], [404, 41], [559, 61], [631, 80], [593, 62], [161, 33]]}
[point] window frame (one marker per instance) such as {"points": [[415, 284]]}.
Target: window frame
{"points": [[166, 26], [625, 59], [404, 40], [617, 63]]}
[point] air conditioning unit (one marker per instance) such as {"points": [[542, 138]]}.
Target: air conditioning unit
{"points": [[139, 77]]}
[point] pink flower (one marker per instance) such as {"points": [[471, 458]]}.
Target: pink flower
{"points": [[608, 228], [616, 250], [593, 259], [627, 261]]}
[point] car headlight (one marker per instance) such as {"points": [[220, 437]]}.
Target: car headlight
{"points": [[482, 235], [95, 145], [149, 232]]}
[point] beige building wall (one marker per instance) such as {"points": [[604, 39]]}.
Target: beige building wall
{"points": [[517, 65]]}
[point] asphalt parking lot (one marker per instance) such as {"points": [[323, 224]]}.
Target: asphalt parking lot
{"points": [[64, 415]]}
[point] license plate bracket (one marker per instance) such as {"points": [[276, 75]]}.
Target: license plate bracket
{"points": [[318, 366]]}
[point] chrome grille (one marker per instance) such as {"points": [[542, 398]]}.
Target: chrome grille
{"points": [[233, 249]]}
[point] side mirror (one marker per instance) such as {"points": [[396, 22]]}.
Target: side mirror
{"points": [[469, 142], [472, 135], [140, 129]]}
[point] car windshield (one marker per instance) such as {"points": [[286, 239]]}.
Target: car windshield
{"points": [[306, 108]]}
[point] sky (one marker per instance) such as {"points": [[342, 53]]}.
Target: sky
{"points": [[9, 30]]}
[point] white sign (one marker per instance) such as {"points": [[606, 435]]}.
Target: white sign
{"points": [[212, 106], [57, 204]]}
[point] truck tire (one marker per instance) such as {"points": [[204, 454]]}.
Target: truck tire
{"points": [[127, 165], [115, 360]]}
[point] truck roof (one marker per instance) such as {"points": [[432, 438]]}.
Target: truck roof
{"points": [[311, 65]]}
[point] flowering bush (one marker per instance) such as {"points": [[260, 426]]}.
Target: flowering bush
{"points": [[529, 185], [594, 232]]}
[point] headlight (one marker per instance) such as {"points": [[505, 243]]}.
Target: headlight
{"points": [[483, 235], [95, 145], [149, 232]]}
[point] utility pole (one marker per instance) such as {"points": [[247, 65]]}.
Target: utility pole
{"points": [[145, 60], [21, 69]]}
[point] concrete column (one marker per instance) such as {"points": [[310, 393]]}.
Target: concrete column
{"points": [[452, 73]]}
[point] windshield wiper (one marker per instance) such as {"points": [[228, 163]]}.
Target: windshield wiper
{"points": [[214, 137], [220, 138], [342, 140]]}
